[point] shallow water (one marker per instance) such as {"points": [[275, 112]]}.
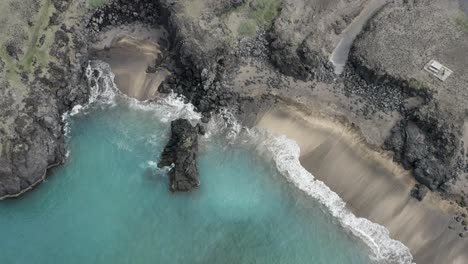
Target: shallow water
{"points": [[108, 204]]}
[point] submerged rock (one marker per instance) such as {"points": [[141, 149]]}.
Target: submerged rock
{"points": [[181, 152]]}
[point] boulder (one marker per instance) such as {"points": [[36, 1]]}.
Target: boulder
{"points": [[419, 191]]}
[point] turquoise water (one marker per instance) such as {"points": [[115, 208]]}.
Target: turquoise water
{"points": [[107, 204]]}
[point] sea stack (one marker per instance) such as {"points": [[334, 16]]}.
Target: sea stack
{"points": [[181, 152]]}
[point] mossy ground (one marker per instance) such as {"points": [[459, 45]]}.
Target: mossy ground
{"points": [[96, 3], [26, 26], [462, 21], [247, 28], [257, 14], [31, 51]]}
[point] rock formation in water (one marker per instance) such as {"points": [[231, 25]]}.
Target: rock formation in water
{"points": [[180, 153], [383, 90]]}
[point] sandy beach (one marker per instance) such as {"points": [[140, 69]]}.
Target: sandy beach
{"points": [[130, 50], [371, 184]]}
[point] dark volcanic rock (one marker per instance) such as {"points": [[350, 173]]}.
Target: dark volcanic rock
{"points": [[119, 12], [181, 153], [419, 191], [426, 141]]}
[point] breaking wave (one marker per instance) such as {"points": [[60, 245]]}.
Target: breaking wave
{"points": [[284, 152]]}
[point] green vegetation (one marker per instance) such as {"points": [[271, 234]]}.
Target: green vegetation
{"points": [[32, 47], [96, 3], [258, 14], [263, 12], [247, 28], [462, 21]]}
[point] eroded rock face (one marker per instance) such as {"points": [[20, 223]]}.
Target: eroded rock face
{"points": [[181, 153], [427, 142]]}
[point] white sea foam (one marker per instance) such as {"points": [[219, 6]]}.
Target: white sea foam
{"points": [[285, 153], [104, 92], [167, 108], [225, 125], [282, 150], [101, 83], [153, 165]]}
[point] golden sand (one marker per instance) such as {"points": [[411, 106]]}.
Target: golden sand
{"points": [[373, 186]]}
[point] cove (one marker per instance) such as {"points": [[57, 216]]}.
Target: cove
{"points": [[109, 204]]}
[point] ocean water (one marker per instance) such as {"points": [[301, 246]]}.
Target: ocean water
{"points": [[110, 204]]}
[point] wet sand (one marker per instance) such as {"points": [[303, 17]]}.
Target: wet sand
{"points": [[372, 185]]}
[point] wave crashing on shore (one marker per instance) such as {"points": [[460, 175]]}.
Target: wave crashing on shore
{"points": [[281, 150]]}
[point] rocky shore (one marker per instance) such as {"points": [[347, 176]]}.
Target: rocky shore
{"points": [[241, 55], [38, 83]]}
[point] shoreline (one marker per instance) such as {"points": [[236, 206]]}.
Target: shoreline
{"points": [[371, 184], [34, 184]]}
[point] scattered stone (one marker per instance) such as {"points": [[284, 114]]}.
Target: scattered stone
{"points": [[120, 12], [201, 129], [151, 69], [419, 191], [12, 50]]}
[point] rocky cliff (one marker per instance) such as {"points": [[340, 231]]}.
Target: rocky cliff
{"points": [[40, 79]]}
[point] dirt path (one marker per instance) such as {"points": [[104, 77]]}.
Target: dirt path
{"points": [[340, 54]]}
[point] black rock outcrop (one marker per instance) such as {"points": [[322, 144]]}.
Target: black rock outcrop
{"points": [[427, 142], [180, 153]]}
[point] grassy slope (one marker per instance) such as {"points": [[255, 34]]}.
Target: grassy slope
{"points": [[257, 14]]}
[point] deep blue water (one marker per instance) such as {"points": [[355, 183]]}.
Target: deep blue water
{"points": [[108, 204]]}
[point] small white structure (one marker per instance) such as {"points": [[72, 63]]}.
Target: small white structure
{"points": [[438, 70]]}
